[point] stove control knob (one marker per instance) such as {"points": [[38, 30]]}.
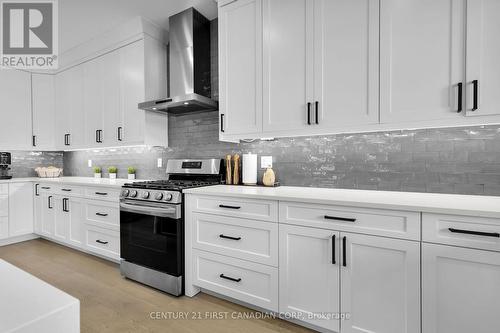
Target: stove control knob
{"points": [[133, 193], [168, 197], [159, 196], [145, 195], [125, 193]]}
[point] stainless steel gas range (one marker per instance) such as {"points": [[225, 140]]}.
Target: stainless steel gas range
{"points": [[152, 223]]}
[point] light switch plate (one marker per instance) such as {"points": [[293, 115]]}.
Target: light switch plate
{"points": [[89, 163], [159, 163], [266, 162]]}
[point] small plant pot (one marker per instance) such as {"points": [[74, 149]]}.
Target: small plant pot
{"points": [[131, 176], [97, 175], [112, 176]]}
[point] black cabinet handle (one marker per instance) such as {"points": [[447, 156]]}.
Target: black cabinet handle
{"points": [[49, 202], [229, 237], [120, 129], [333, 250], [37, 192], [316, 106], [100, 136], [475, 90], [101, 193], [33, 140], [345, 219], [101, 214], [344, 249], [477, 233], [65, 205], [97, 136], [222, 123], [229, 278], [308, 113], [66, 190], [229, 207], [45, 187], [101, 242], [67, 141], [460, 89]]}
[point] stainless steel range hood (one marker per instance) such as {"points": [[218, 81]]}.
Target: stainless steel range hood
{"points": [[189, 64]]}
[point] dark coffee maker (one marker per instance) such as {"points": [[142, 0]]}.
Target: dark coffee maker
{"points": [[5, 160]]}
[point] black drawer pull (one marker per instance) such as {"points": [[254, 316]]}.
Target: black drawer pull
{"points": [[346, 219], [333, 250], [344, 250], [45, 188], [66, 190], [229, 237], [229, 207], [229, 278], [477, 233], [101, 242], [101, 193], [101, 214]]}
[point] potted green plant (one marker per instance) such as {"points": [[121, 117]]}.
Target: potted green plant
{"points": [[97, 172], [112, 172], [131, 172]]}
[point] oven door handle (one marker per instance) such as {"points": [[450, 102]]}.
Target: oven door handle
{"points": [[152, 211]]}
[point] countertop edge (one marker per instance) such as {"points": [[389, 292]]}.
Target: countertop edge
{"points": [[362, 204]]}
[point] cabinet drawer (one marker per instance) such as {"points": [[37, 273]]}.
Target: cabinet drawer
{"points": [[242, 280], [379, 222], [246, 208], [102, 193], [69, 190], [103, 242], [240, 238], [4, 189], [466, 231], [102, 214]]}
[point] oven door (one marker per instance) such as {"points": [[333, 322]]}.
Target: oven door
{"points": [[152, 236]]}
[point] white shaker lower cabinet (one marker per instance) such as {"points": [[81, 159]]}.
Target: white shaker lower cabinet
{"points": [[48, 215], [20, 209], [68, 215], [4, 211], [380, 284], [309, 275], [460, 290]]}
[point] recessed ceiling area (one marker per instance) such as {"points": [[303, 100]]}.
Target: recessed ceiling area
{"points": [[83, 20]]}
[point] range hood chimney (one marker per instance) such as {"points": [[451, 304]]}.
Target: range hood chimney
{"points": [[189, 64]]}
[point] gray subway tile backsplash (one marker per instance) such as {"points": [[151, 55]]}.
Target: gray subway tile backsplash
{"points": [[462, 160]]}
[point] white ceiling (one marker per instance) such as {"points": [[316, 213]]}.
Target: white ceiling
{"points": [[82, 20]]}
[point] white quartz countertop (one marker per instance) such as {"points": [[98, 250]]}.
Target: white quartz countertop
{"points": [[90, 181], [28, 304], [473, 205]]}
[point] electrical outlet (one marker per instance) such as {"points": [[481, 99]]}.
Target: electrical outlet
{"points": [[266, 162], [89, 163], [159, 163]]}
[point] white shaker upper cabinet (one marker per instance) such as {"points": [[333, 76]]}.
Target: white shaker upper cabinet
{"points": [[70, 116], [43, 94], [422, 57], [240, 67], [483, 54], [288, 65], [93, 95], [346, 60], [15, 109], [380, 284], [460, 290]]}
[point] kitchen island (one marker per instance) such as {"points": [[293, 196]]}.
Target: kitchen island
{"points": [[28, 304]]}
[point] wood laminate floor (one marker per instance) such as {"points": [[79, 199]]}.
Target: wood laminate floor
{"points": [[110, 303]]}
